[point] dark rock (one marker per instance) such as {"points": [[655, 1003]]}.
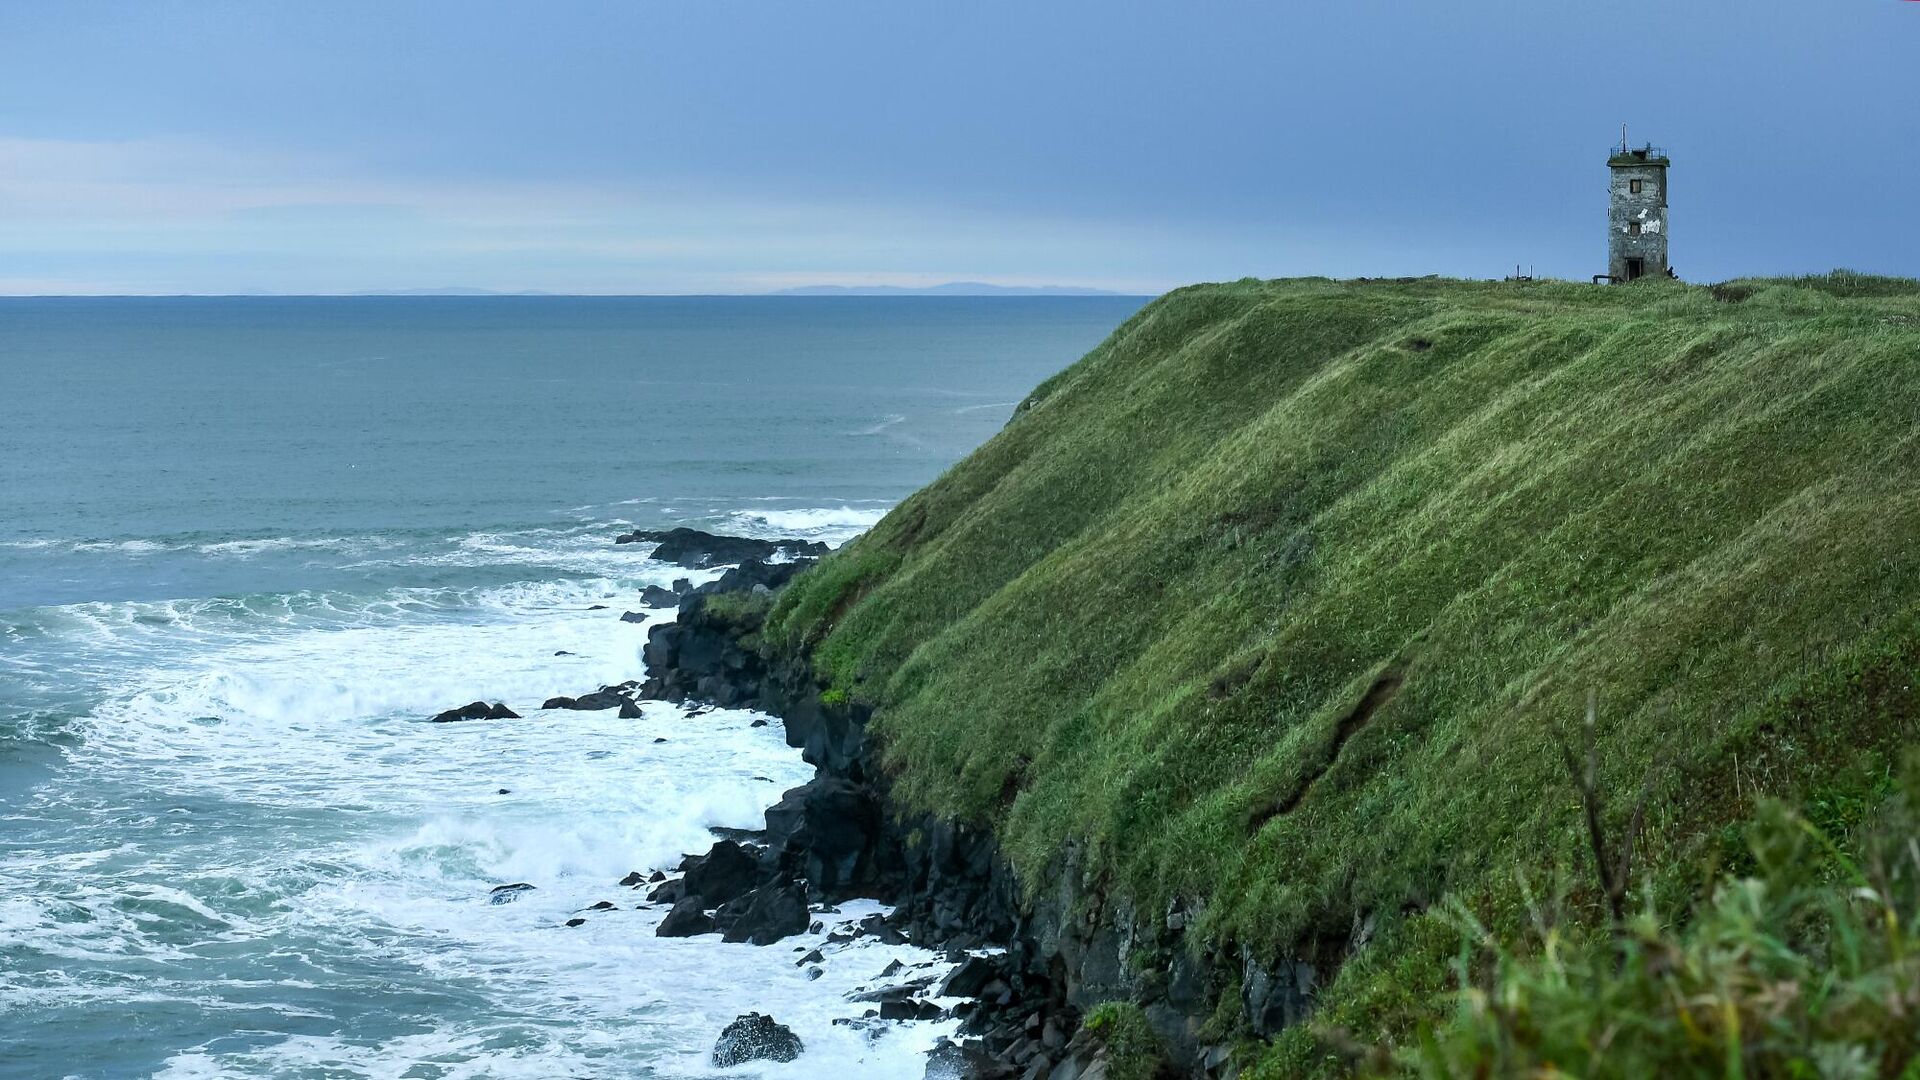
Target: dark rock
{"points": [[961, 1061], [909, 1009], [604, 905], [754, 1037], [603, 698], [503, 791], [507, 894], [659, 738], [630, 711], [758, 721], [633, 616], [682, 586], [764, 916], [632, 879], [1276, 997], [900, 992], [657, 875], [478, 710], [656, 597], [697, 550], [596, 607], [892, 969], [727, 870], [668, 892], [685, 920], [576, 922], [967, 980], [562, 652], [814, 973], [812, 957]]}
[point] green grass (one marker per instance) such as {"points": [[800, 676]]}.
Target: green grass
{"points": [[1274, 600]]}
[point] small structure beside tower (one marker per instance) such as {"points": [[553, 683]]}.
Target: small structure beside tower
{"points": [[1637, 212]]}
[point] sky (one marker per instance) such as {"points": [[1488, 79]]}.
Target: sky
{"points": [[723, 146]]}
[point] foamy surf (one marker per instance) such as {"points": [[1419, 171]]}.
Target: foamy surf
{"points": [[301, 851]]}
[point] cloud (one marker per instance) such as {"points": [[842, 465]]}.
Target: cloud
{"points": [[180, 215]]}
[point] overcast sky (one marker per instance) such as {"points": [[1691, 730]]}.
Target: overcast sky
{"points": [[740, 146]]}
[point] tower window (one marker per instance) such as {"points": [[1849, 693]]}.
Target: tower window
{"points": [[1633, 228], [1633, 186]]}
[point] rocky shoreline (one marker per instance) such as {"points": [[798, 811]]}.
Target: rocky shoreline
{"points": [[1062, 951]]}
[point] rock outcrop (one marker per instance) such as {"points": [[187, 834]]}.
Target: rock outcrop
{"points": [[754, 1037], [478, 710], [841, 836], [698, 550]]}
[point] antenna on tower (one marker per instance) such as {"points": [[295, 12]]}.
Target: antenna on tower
{"points": [[1623, 138]]}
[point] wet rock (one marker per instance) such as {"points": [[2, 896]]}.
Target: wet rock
{"points": [[656, 597], [685, 920], [633, 616], [604, 905], [909, 1009], [682, 586], [812, 957], [727, 870], [755, 1037], [576, 922], [764, 916], [632, 879], [967, 980], [478, 710], [697, 550], [507, 894]]}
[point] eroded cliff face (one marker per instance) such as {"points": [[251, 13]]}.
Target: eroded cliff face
{"points": [[1069, 946]]}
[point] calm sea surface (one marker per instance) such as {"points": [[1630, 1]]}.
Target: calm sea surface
{"points": [[247, 546]]}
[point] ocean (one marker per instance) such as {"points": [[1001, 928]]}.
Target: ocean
{"points": [[249, 545]]}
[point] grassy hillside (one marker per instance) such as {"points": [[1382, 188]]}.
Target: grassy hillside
{"points": [[1275, 599]]}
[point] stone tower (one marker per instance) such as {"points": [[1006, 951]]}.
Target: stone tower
{"points": [[1637, 215]]}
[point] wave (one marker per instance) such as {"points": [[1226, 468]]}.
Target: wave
{"points": [[835, 524]]}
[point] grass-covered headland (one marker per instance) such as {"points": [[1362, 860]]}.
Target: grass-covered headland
{"points": [[1284, 603]]}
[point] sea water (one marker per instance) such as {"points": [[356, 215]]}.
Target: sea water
{"points": [[248, 546]]}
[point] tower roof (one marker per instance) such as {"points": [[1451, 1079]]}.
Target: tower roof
{"points": [[1620, 157]]}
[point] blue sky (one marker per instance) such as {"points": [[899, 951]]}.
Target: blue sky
{"points": [[740, 146]]}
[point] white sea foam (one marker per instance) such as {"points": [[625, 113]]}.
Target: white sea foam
{"points": [[290, 834], [834, 524]]}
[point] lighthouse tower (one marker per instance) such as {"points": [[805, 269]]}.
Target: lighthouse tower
{"points": [[1637, 214]]}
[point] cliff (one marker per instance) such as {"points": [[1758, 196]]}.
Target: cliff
{"points": [[1255, 632]]}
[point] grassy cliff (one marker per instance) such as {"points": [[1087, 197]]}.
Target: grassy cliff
{"points": [[1274, 601]]}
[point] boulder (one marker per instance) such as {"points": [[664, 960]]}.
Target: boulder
{"points": [[633, 616], [754, 1037], [607, 697], [726, 871], [967, 980], [478, 710], [697, 550], [764, 916], [507, 894], [656, 597], [685, 920]]}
